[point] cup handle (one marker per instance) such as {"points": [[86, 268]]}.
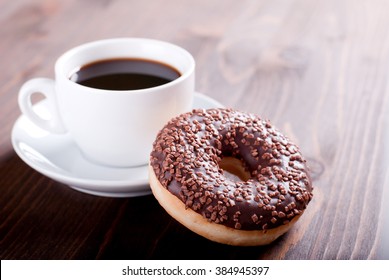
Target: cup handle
{"points": [[45, 87]]}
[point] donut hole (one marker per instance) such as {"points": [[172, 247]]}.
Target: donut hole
{"points": [[233, 169]]}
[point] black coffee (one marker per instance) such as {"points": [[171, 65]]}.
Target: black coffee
{"points": [[124, 74]]}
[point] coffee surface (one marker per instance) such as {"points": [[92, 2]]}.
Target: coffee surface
{"points": [[124, 74]]}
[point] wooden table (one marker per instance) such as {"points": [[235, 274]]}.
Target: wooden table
{"points": [[318, 70]]}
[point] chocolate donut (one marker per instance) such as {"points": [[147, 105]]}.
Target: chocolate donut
{"points": [[190, 164]]}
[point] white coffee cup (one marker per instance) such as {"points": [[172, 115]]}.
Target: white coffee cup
{"points": [[115, 128]]}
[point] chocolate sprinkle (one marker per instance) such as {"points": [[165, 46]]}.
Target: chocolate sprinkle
{"points": [[186, 156]]}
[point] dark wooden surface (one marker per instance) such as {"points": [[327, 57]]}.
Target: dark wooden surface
{"points": [[319, 70]]}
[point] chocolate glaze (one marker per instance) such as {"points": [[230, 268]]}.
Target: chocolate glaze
{"points": [[186, 156]]}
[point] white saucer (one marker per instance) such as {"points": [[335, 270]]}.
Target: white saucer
{"points": [[57, 157]]}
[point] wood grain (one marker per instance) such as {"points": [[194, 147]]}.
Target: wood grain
{"points": [[319, 70]]}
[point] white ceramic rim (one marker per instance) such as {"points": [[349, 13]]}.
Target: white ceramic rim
{"points": [[64, 76]]}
